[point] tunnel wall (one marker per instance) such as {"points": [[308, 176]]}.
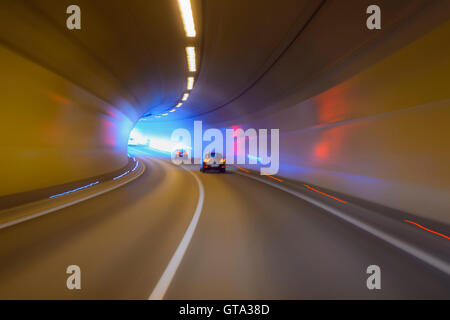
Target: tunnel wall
{"points": [[382, 135], [52, 130]]}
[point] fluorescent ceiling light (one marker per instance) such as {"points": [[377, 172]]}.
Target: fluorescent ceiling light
{"points": [[164, 114], [178, 105], [173, 110], [188, 19], [185, 96], [190, 52], [190, 83]]}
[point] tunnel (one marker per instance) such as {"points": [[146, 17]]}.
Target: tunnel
{"points": [[353, 101]]}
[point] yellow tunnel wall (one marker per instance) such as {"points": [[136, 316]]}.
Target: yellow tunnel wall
{"points": [[53, 131]]}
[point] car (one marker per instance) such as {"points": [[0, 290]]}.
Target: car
{"points": [[214, 161], [180, 154]]}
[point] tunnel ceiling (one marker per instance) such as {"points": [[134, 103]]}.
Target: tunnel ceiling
{"points": [[255, 56], [128, 55], [251, 55], [242, 39]]}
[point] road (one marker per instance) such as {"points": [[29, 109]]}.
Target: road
{"points": [[252, 241]]}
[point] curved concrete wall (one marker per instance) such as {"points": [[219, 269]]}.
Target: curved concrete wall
{"points": [[52, 131], [381, 135]]}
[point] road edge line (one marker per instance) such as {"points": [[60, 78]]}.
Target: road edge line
{"points": [[166, 279], [425, 257], [70, 203]]}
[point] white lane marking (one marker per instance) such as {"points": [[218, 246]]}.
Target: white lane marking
{"points": [[436, 262], [164, 282], [70, 203]]}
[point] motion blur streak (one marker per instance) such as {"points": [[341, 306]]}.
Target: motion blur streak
{"points": [[439, 234], [122, 175], [275, 178], [74, 190], [242, 169], [323, 193]]}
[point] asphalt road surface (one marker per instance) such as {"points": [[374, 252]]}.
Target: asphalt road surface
{"points": [[252, 241]]}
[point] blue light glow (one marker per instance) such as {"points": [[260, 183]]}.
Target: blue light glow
{"points": [[77, 189], [166, 145], [123, 174], [137, 138], [135, 167], [254, 157]]}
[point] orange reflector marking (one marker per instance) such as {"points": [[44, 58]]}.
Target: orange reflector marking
{"points": [[439, 234], [311, 188], [275, 178], [242, 169]]}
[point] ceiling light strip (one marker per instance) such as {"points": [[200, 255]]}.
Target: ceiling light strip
{"points": [[190, 52], [190, 83], [188, 19]]}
